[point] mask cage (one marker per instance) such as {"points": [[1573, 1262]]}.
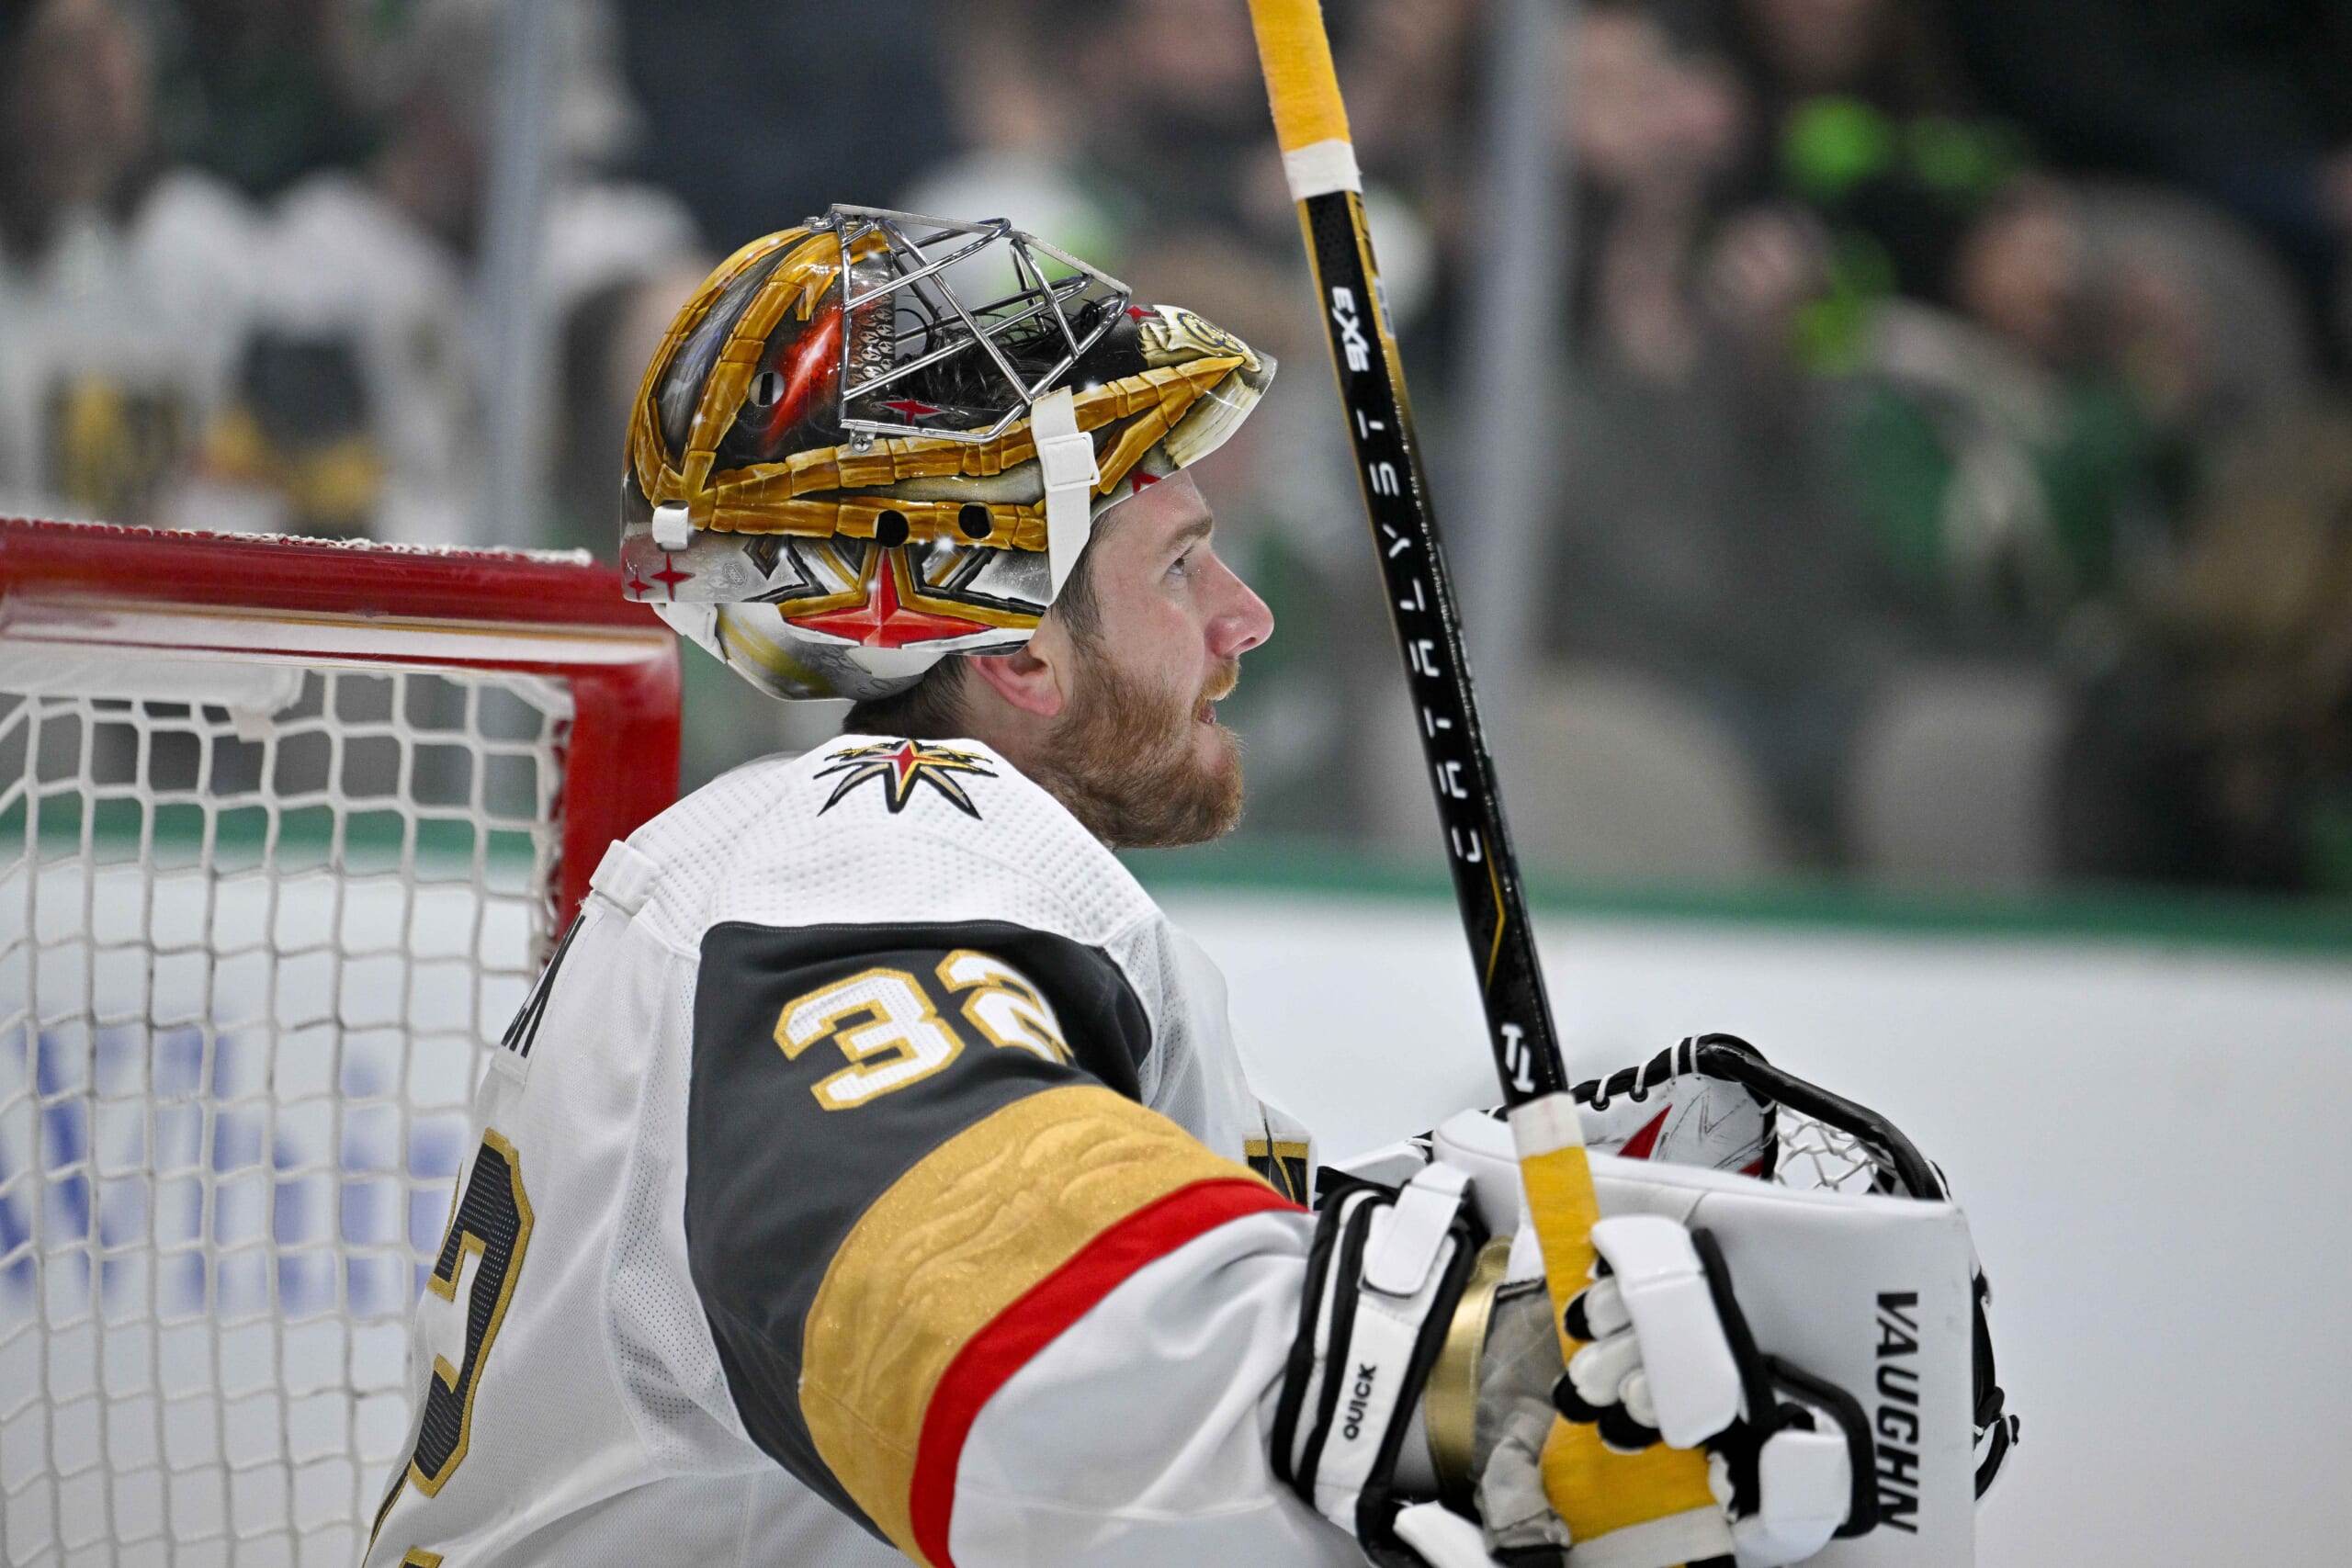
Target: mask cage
{"points": [[916, 351]]}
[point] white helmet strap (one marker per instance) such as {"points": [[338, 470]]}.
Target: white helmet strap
{"points": [[1065, 456]]}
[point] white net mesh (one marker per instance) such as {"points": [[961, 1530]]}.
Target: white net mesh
{"points": [[248, 965], [1817, 1156]]}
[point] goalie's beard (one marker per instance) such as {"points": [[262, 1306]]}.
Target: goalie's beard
{"points": [[1126, 761]]}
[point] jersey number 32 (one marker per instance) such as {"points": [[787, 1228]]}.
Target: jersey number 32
{"points": [[889, 1026]]}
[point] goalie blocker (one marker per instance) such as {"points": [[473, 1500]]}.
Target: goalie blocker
{"points": [[1859, 1309], [1870, 1294]]}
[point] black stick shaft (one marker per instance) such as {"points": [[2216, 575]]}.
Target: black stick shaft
{"points": [[1429, 636]]}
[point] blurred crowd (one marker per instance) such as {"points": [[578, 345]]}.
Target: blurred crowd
{"points": [[1950, 475]]}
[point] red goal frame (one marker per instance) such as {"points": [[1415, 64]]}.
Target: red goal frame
{"points": [[557, 614]]}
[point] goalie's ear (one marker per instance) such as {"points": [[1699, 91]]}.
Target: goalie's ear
{"points": [[1032, 679]]}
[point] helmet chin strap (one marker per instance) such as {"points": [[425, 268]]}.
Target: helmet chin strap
{"points": [[1065, 456]]}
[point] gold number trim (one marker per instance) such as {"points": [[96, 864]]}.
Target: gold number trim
{"points": [[1004, 1006], [900, 1018], [432, 1484]]}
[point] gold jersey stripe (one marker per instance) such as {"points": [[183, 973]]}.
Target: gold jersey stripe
{"points": [[965, 1233]]}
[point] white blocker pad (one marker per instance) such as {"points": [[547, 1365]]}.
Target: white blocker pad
{"points": [[1870, 1294]]}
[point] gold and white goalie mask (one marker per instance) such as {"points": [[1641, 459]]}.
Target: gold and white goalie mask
{"points": [[879, 439]]}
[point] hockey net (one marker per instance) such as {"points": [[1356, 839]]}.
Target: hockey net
{"points": [[286, 830]]}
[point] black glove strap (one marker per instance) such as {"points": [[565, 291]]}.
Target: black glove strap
{"points": [[1760, 1375]]}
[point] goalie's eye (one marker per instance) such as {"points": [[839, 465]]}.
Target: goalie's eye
{"points": [[767, 387]]}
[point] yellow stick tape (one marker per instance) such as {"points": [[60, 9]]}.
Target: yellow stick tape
{"points": [[1593, 1487], [1297, 56], [1597, 1490]]}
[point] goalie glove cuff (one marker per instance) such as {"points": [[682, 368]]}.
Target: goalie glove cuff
{"points": [[1382, 1278]]}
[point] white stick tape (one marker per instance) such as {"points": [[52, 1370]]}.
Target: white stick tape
{"points": [[1542, 1125], [1321, 167]]}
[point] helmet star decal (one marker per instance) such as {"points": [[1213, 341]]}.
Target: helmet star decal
{"points": [[885, 618], [900, 764]]}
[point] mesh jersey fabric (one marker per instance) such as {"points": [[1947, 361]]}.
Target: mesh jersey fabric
{"points": [[599, 1424]]}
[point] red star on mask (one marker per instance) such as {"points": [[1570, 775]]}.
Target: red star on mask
{"points": [[884, 621], [911, 407]]}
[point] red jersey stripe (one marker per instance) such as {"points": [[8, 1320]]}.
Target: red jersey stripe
{"points": [[993, 1355]]}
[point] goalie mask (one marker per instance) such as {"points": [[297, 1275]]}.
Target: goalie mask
{"points": [[879, 439]]}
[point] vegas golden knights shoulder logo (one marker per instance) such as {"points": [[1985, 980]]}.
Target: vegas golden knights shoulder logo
{"points": [[900, 765]]}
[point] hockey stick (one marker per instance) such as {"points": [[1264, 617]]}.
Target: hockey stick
{"points": [[1645, 1510]]}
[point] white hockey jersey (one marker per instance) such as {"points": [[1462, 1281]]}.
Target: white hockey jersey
{"points": [[870, 1173]]}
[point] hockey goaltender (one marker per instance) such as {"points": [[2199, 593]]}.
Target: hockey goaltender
{"points": [[871, 1175]]}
